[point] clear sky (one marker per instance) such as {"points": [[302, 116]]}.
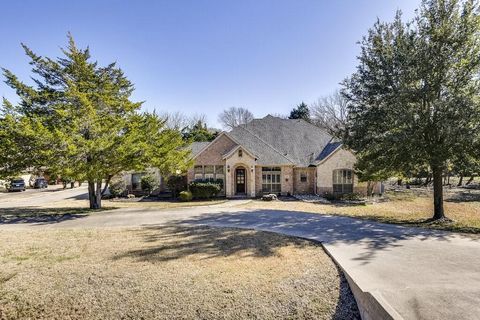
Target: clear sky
{"points": [[202, 56]]}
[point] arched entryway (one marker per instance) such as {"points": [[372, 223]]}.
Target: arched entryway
{"points": [[240, 181]]}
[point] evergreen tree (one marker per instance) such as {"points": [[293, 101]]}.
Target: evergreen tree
{"points": [[414, 99], [78, 120], [199, 132], [300, 112]]}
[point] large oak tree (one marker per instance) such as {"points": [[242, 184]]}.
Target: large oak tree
{"points": [[414, 99]]}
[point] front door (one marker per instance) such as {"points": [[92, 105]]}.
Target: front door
{"points": [[240, 180]]}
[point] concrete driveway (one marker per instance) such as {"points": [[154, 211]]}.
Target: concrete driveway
{"points": [[38, 197], [395, 272]]}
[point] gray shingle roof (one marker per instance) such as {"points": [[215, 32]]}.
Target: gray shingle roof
{"points": [[196, 147], [277, 141], [283, 141], [329, 148]]}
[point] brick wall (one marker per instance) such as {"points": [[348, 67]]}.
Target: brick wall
{"points": [[306, 187], [212, 155], [214, 152], [287, 180]]}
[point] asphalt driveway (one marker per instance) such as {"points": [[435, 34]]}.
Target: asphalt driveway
{"points": [[394, 271]]}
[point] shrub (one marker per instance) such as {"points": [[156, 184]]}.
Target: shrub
{"points": [[351, 196], [149, 183], [204, 190], [118, 187], [329, 196], [177, 184], [185, 196]]}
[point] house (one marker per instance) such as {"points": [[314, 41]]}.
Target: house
{"points": [[274, 155], [133, 180]]}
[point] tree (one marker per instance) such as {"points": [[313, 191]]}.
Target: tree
{"points": [[300, 112], [199, 132], [330, 113], [234, 116], [81, 123], [413, 100]]}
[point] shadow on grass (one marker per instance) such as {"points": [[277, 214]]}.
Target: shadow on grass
{"points": [[42, 215], [464, 196], [175, 241]]}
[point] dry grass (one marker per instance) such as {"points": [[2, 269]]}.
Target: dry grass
{"points": [[168, 272], [409, 208]]}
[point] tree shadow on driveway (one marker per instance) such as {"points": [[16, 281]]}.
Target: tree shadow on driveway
{"points": [[327, 229]]}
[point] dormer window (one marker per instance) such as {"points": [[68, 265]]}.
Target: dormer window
{"points": [[240, 153]]}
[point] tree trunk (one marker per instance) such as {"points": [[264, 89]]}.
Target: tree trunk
{"points": [[370, 185], [107, 181], [470, 180], [91, 194], [460, 182], [438, 212], [95, 194], [98, 198]]}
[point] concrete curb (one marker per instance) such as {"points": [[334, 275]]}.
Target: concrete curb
{"points": [[371, 305]]}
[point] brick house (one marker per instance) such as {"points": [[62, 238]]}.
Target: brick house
{"points": [[274, 155]]}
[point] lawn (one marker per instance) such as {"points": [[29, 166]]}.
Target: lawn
{"points": [[408, 207], [171, 272]]}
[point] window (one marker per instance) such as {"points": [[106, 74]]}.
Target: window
{"points": [[271, 180], [209, 172], [303, 177], [136, 181], [342, 181], [240, 153], [198, 170], [219, 175]]}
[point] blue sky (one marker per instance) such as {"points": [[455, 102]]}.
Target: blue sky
{"points": [[204, 56]]}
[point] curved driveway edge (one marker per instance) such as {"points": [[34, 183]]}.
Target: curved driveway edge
{"points": [[412, 273]]}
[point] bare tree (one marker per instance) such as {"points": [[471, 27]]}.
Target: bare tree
{"points": [[330, 113], [234, 116], [179, 121], [197, 118], [175, 120]]}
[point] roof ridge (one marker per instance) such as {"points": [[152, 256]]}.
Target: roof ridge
{"points": [[317, 127], [269, 145]]}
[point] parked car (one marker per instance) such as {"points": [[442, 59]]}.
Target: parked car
{"points": [[40, 183], [16, 185]]}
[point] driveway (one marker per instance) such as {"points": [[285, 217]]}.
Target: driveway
{"points": [[394, 271], [38, 197]]}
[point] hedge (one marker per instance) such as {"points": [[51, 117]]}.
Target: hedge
{"points": [[204, 190]]}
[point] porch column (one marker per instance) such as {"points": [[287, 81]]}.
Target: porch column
{"points": [[228, 181], [252, 181]]}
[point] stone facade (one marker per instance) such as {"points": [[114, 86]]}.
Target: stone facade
{"points": [[304, 180], [240, 158], [340, 159], [287, 180]]}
